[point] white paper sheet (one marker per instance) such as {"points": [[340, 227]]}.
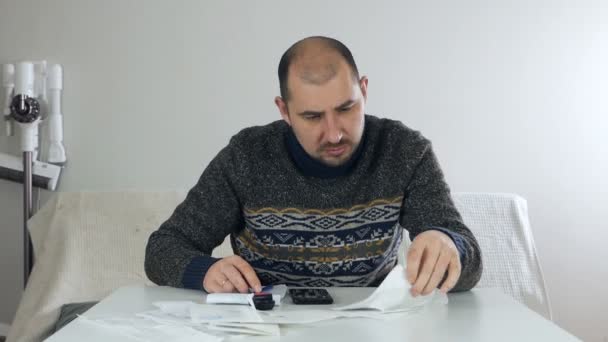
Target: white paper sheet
{"points": [[247, 329], [216, 314], [177, 308], [186, 321], [145, 330], [394, 295], [211, 313], [278, 293], [198, 322]]}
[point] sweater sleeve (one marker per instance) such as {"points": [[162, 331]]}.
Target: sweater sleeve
{"points": [[428, 205], [178, 254]]}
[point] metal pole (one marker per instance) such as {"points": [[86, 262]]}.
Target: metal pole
{"points": [[27, 214]]}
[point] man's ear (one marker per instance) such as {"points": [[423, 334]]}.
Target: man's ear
{"points": [[363, 86], [282, 105]]}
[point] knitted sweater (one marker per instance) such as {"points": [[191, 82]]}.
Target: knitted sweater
{"points": [[301, 223]]}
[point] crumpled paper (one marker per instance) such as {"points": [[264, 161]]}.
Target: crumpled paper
{"points": [[394, 295]]}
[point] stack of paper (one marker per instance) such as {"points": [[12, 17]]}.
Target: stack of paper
{"points": [[141, 329], [219, 321]]}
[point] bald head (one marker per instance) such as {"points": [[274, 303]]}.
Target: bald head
{"points": [[314, 60]]}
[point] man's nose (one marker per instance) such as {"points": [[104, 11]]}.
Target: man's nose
{"points": [[333, 130]]}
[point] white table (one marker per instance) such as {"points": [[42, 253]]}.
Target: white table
{"points": [[477, 315]]}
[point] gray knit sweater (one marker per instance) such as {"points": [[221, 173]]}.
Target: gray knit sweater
{"points": [[300, 223]]}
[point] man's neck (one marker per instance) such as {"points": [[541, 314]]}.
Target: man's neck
{"points": [[314, 168]]}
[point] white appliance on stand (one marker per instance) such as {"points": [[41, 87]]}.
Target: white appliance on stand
{"points": [[32, 97]]}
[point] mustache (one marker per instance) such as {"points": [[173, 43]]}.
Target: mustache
{"points": [[344, 142]]}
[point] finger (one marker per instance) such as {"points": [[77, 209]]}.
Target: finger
{"points": [[248, 273], [210, 287], [225, 284], [228, 287], [235, 278], [438, 272], [213, 286], [429, 260], [454, 270], [210, 283], [414, 254]]}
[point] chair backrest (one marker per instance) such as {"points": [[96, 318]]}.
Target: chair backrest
{"points": [[86, 245], [510, 262]]}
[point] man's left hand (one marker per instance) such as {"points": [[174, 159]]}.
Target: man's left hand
{"points": [[430, 255]]}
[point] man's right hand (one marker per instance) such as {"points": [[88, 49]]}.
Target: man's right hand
{"points": [[231, 274]]}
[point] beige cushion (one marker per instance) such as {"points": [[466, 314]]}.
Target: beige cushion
{"points": [[86, 245]]}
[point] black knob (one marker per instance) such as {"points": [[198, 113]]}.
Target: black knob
{"points": [[25, 109]]}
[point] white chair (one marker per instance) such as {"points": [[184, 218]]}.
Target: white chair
{"points": [[501, 225]]}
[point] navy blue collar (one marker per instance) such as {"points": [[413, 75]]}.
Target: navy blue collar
{"points": [[312, 167]]}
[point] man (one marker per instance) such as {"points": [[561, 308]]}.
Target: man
{"points": [[319, 198]]}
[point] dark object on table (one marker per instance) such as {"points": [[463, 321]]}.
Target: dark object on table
{"points": [[69, 312], [310, 296], [263, 301]]}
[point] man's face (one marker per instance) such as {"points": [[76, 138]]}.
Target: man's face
{"points": [[327, 119]]}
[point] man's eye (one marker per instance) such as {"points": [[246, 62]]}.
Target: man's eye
{"points": [[344, 110], [312, 117]]}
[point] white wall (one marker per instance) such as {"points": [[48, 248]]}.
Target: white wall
{"points": [[514, 95]]}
